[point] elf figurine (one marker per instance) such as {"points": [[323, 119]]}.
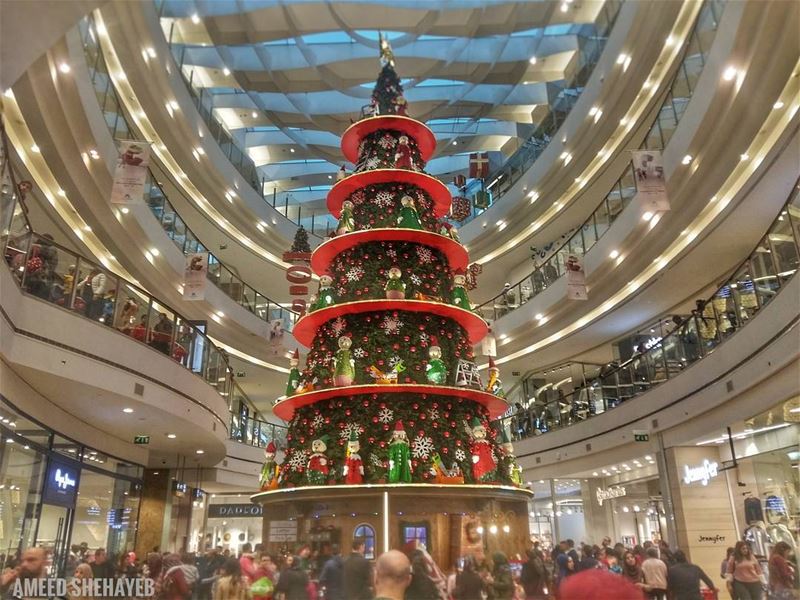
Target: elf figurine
{"points": [[346, 222], [395, 288], [294, 374], [408, 217], [341, 174], [484, 464], [312, 304], [317, 469], [436, 371], [402, 155], [460, 297], [512, 470], [269, 470], [495, 386], [345, 366], [325, 296], [353, 470], [399, 456]]}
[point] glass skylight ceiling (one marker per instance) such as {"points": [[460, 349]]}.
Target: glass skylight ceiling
{"points": [[481, 74]]}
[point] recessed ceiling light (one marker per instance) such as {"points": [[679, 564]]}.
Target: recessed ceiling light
{"points": [[254, 114], [195, 18], [455, 142], [200, 151], [564, 7], [778, 105], [226, 71], [593, 111], [622, 58], [291, 150], [124, 210], [744, 156], [64, 68], [173, 104], [220, 314], [171, 436], [729, 74], [614, 254], [539, 317], [686, 159], [151, 52], [532, 60], [199, 451], [594, 474], [35, 148], [127, 410]]}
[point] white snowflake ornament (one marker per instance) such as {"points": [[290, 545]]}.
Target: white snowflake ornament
{"points": [[338, 326], [354, 274], [391, 325], [359, 352], [350, 428], [460, 455], [415, 279], [424, 254], [385, 415], [422, 447], [317, 421], [298, 460]]}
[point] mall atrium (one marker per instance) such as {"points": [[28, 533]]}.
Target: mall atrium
{"points": [[464, 279]]}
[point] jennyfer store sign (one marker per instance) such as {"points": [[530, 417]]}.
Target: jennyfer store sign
{"points": [[230, 511], [616, 491], [61, 485], [702, 473]]}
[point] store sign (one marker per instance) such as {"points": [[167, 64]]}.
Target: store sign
{"points": [[617, 491], [61, 486], [229, 511], [712, 539], [647, 344], [283, 531], [702, 473]]}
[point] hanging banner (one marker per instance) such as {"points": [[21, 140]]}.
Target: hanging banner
{"points": [[576, 278], [651, 189], [195, 276], [131, 173]]}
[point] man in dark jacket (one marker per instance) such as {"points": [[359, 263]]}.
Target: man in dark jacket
{"points": [[357, 574], [102, 568], [332, 576]]}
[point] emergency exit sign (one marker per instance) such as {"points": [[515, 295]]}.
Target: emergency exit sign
{"points": [[141, 439], [640, 435]]}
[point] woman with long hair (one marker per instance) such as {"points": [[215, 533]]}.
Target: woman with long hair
{"points": [[744, 574], [631, 569], [231, 585], [469, 584], [782, 574], [83, 573]]}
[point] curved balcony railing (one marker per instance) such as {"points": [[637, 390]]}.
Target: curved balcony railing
{"points": [[50, 272], [562, 97], [753, 285], [174, 226], [549, 270]]}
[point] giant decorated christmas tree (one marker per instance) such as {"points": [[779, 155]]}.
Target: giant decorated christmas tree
{"points": [[390, 395]]}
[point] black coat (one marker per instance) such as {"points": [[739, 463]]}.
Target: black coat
{"points": [[293, 582], [469, 586], [357, 577]]}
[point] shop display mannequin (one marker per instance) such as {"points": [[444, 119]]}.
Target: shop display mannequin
{"points": [[756, 533]]}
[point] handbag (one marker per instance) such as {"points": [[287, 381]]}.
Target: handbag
{"points": [[262, 586]]}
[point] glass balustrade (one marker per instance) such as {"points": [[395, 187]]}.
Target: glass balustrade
{"points": [[551, 267], [158, 202], [50, 272], [562, 97], [734, 304]]}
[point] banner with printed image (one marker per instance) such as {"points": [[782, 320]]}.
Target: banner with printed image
{"points": [[651, 188], [131, 172], [195, 276], [576, 278]]}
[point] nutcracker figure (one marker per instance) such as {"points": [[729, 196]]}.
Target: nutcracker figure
{"points": [[402, 155], [345, 366], [353, 470], [317, 469], [395, 288], [484, 465], [294, 374], [346, 223], [436, 370], [408, 217], [460, 297], [399, 456], [269, 470]]}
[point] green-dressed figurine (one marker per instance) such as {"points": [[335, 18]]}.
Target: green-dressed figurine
{"points": [[512, 470], [460, 297], [408, 217], [436, 371], [346, 222], [345, 367], [325, 295], [294, 374], [395, 288], [399, 456]]}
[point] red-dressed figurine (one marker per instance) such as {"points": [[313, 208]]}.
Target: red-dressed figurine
{"points": [[484, 464], [402, 155], [353, 470]]}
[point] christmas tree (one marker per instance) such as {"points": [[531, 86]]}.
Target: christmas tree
{"points": [[390, 376], [300, 243]]}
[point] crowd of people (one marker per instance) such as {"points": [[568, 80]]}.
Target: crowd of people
{"points": [[589, 572]]}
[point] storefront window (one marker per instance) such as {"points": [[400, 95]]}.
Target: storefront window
{"points": [[416, 533], [22, 469], [366, 533]]}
